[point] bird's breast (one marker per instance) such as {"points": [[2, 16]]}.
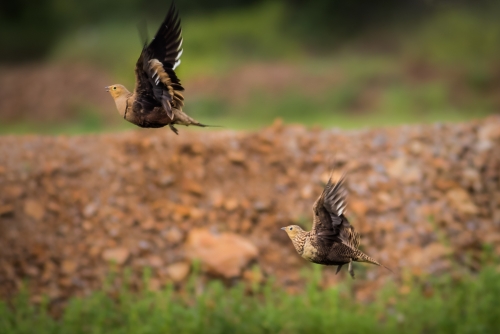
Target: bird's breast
{"points": [[309, 251]]}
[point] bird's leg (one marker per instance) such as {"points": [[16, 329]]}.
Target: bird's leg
{"points": [[173, 129], [351, 269], [338, 269]]}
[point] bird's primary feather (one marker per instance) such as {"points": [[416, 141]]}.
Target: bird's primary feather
{"points": [[329, 222], [155, 67]]}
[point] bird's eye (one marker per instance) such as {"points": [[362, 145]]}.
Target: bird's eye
{"points": [[291, 228], [114, 87]]}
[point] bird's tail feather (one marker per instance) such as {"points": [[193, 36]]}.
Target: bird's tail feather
{"points": [[362, 257], [183, 119], [206, 125]]}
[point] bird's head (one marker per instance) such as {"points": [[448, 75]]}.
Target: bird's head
{"points": [[292, 230], [117, 90]]}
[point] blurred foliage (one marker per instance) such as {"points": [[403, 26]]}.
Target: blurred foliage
{"points": [[443, 304], [30, 29], [459, 37], [335, 21], [213, 44], [21, 32]]}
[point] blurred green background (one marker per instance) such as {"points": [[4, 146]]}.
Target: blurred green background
{"points": [[347, 64]]}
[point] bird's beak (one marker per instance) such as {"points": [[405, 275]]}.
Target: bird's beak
{"points": [[283, 228], [107, 88]]}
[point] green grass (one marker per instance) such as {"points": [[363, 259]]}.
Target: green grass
{"points": [[396, 105], [465, 305]]}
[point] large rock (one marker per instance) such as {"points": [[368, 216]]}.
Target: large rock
{"points": [[225, 254]]}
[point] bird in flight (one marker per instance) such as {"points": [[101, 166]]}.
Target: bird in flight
{"points": [[157, 99], [332, 240]]}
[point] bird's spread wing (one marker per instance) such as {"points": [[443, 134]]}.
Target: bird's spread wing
{"points": [[145, 99], [330, 224], [155, 68]]}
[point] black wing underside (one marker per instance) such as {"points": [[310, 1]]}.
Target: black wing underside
{"points": [[157, 84], [145, 100], [330, 223]]}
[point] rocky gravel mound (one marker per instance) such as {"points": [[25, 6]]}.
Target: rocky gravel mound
{"points": [[425, 198]]}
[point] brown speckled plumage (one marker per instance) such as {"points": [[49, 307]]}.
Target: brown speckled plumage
{"points": [[332, 240]]}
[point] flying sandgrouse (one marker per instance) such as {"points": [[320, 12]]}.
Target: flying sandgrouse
{"points": [[157, 99], [332, 240]]}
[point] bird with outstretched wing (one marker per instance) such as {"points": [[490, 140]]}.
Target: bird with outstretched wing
{"points": [[157, 99], [332, 239]]}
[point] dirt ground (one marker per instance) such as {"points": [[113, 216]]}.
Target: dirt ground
{"points": [[425, 198]]}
